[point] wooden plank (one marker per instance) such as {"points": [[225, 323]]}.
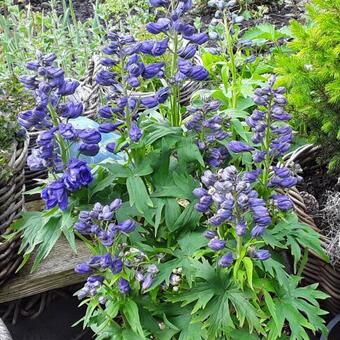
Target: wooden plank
{"points": [[56, 271]]}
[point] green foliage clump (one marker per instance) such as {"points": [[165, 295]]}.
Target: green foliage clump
{"points": [[311, 72], [8, 131], [118, 7]]}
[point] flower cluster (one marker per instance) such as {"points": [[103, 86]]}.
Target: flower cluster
{"points": [[209, 128], [272, 138], [101, 223], [173, 26], [123, 111], [229, 199], [76, 176], [51, 114]]}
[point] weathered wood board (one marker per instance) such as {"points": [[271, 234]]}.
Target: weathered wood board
{"points": [[56, 271]]}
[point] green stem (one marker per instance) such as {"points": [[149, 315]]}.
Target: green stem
{"points": [[174, 117], [233, 69], [60, 140]]}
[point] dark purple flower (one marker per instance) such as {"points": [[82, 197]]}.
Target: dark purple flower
{"points": [[109, 127], [82, 268], [127, 226], [89, 149], [55, 194], [241, 228], [184, 29], [149, 101], [109, 62], [210, 234], [198, 73], [226, 260], [237, 147], [188, 51], [67, 131], [262, 254], [283, 202], [162, 25], [148, 280], [135, 133], [159, 3], [116, 265], [106, 78], [116, 204], [123, 286], [198, 38], [32, 65], [199, 192], [251, 176], [70, 110], [153, 70], [257, 231], [68, 88], [162, 95], [259, 156], [77, 175], [111, 147], [90, 136], [216, 244]]}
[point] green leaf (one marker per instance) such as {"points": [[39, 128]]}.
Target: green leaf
{"points": [[67, 223], [189, 218], [131, 313], [248, 264], [172, 212], [188, 151], [138, 194], [118, 170], [159, 132], [272, 310], [51, 233]]}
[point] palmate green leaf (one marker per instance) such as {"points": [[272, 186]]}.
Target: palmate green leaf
{"points": [[214, 298], [300, 308], [138, 194], [276, 270], [188, 330], [118, 170], [294, 234]]}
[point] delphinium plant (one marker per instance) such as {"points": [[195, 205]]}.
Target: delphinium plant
{"points": [[69, 177], [181, 40], [116, 274], [250, 220]]}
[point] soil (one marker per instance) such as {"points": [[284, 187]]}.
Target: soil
{"points": [[278, 13], [83, 8]]}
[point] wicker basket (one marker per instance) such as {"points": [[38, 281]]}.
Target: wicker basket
{"points": [[30, 175], [11, 205], [4, 333], [90, 92], [316, 269]]}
